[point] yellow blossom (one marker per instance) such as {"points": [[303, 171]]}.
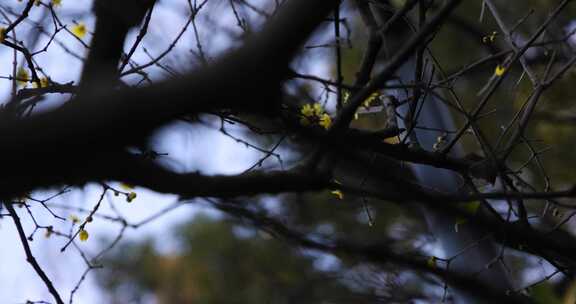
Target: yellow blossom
{"points": [[79, 30], [318, 109], [83, 235], [370, 99], [126, 186], [22, 77], [2, 34], [325, 121], [490, 38], [499, 71], [74, 219], [345, 96], [338, 194], [43, 83], [130, 197], [314, 114], [56, 3], [307, 110]]}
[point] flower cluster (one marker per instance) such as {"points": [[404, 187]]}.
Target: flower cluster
{"points": [[315, 115]]}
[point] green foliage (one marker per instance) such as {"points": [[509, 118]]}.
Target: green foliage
{"points": [[218, 264], [544, 294]]}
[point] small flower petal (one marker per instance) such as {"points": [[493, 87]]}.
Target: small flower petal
{"points": [[130, 197], [318, 109], [499, 71], [126, 186], [307, 110], [338, 194], [325, 121], [345, 96], [83, 235], [368, 102], [79, 30], [74, 219]]}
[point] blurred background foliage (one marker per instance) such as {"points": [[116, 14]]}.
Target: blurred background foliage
{"points": [[221, 260]]}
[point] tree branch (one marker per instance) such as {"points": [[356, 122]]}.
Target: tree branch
{"points": [[30, 257]]}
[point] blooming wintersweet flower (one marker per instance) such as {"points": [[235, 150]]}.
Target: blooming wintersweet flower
{"points": [[74, 218], [83, 235], [79, 30], [325, 121], [370, 99], [490, 38], [499, 71], [338, 194], [130, 197], [345, 96], [307, 110]]}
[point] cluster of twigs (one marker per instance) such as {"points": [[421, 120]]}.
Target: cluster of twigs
{"points": [[253, 87]]}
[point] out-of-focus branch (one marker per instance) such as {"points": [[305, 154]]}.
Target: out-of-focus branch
{"points": [[188, 185], [396, 62], [376, 253], [113, 21]]}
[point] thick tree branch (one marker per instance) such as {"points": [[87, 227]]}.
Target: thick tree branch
{"points": [[50, 148], [113, 21]]}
